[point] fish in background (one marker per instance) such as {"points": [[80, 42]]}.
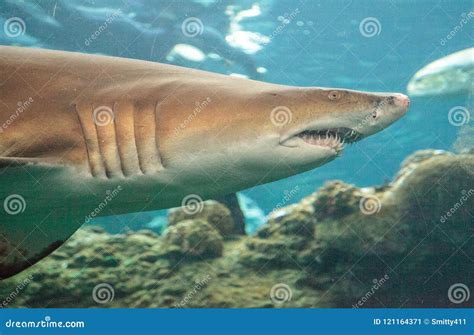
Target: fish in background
{"points": [[452, 75], [138, 30]]}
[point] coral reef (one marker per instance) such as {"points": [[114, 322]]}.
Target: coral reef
{"points": [[404, 244]]}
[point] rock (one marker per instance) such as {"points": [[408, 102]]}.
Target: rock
{"points": [[294, 220], [213, 212], [445, 185], [422, 155], [193, 238], [336, 199]]}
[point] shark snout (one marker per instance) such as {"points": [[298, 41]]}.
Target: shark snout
{"points": [[401, 100], [393, 105]]}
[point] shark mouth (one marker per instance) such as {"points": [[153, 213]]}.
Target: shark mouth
{"points": [[334, 138]]}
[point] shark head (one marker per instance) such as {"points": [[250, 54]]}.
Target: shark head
{"points": [[330, 119], [298, 129], [282, 131]]}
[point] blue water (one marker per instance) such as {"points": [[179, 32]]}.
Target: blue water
{"points": [[333, 53], [321, 46]]}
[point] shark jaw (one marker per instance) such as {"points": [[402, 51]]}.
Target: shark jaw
{"points": [[333, 139]]}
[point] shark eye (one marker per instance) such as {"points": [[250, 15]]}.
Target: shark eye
{"points": [[334, 95], [374, 115]]}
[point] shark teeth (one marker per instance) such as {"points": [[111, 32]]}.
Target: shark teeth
{"points": [[332, 138]]}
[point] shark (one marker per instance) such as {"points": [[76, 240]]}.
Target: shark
{"points": [[83, 136], [452, 75]]}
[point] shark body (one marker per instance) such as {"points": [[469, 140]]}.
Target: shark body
{"points": [[84, 136]]}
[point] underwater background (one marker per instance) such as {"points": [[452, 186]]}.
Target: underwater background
{"points": [[301, 43], [371, 45]]}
